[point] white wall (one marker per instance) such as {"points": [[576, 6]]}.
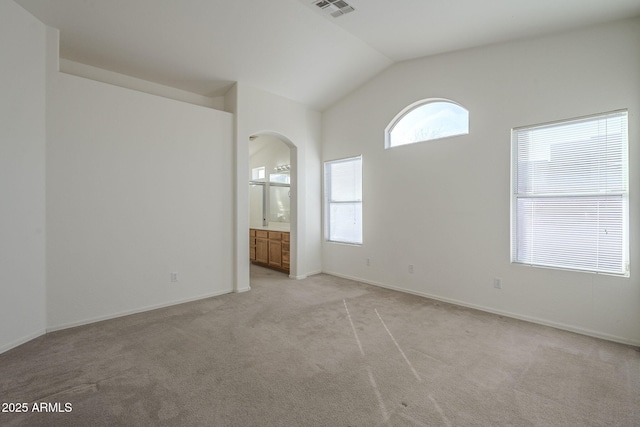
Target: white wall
{"points": [[139, 186], [22, 174], [444, 206], [260, 112]]}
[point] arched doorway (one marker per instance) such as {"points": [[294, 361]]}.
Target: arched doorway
{"points": [[273, 199]]}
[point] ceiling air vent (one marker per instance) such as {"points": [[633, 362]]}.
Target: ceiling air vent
{"points": [[334, 7]]}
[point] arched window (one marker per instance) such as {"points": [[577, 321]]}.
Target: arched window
{"points": [[426, 120]]}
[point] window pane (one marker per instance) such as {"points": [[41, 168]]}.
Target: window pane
{"points": [[346, 180], [258, 173], [345, 222], [582, 233], [431, 120], [283, 178], [581, 156]]}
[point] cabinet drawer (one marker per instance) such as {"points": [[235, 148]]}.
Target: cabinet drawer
{"points": [[286, 237], [275, 235], [252, 233], [262, 233]]}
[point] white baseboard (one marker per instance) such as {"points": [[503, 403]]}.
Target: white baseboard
{"points": [[22, 340], [134, 311], [532, 319], [304, 276], [247, 289]]}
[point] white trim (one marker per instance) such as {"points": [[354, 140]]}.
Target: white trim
{"points": [[572, 119], [238, 291], [135, 311], [537, 320], [22, 340], [304, 276]]}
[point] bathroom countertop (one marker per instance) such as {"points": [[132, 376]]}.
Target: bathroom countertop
{"points": [[274, 226]]}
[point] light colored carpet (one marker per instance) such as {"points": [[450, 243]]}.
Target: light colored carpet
{"points": [[323, 351]]}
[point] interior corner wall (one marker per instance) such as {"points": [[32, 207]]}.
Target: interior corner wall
{"points": [[138, 187], [443, 206], [259, 111], [22, 176]]}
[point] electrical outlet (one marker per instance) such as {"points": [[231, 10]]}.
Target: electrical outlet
{"points": [[174, 276], [497, 283], [368, 261], [410, 268]]}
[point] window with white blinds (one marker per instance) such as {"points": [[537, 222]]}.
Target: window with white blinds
{"points": [[570, 194], [343, 200]]}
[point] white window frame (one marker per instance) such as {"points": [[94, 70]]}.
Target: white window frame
{"points": [[329, 202], [388, 141], [555, 198]]}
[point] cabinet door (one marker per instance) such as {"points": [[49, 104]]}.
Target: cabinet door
{"points": [[285, 256], [262, 250], [285, 251], [275, 253], [252, 245]]}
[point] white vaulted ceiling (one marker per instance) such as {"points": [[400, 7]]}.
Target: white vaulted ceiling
{"points": [[291, 47]]}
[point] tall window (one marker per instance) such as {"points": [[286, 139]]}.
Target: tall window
{"points": [[570, 194], [426, 120], [343, 200]]}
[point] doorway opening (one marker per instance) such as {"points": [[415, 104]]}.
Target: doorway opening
{"points": [[271, 205]]}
